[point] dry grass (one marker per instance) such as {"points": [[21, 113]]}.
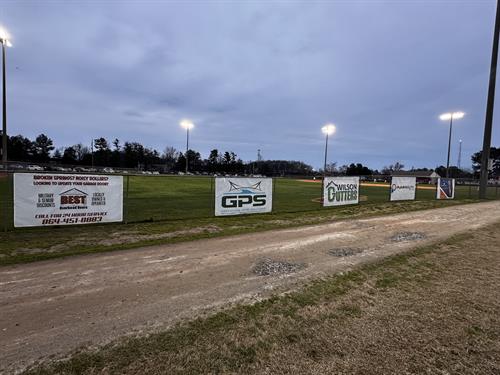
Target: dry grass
{"points": [[435, 310]]}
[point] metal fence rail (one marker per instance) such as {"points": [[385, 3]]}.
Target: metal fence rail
{"points": [[167, 197]]}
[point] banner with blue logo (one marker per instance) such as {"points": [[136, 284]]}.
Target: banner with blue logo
{"points": [[403, 188], [445, 188]]}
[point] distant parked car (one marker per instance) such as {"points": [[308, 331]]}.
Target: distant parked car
{"points": [[63, 169], [16, 166], [108, 170], [34, 168], [83, 169], [156, 172]]}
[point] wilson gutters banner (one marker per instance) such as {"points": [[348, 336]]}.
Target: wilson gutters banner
{"points": [[403, 188], [339, 191], [238, 196], [65, 199], [445, 188]]}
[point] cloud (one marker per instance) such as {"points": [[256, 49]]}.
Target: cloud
{"points": [[254, 75]]}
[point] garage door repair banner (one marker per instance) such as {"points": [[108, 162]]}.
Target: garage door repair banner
{"points": [[403, 188], [238, 196], [339, 191], [64, 199], [445, 188]]}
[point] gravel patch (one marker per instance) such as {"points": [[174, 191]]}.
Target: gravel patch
{"points": [[408, 236], [268, 267], [344, 252]]}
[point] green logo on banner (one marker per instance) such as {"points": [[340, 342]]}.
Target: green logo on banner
{"points": [[341, 192]]}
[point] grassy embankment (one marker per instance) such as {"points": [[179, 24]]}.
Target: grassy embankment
{"points": [[434, 310], [163, 210]]}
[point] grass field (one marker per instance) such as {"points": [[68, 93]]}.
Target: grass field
{"points": [[433, 310], [165, 198], [166, 209]]}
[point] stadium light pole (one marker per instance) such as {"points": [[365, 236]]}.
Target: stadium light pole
{"points": [[4, 40], [445, 117], [187, 124], [328, 130]]}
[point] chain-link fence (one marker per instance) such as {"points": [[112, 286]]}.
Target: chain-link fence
{"points": [[170, 197]]}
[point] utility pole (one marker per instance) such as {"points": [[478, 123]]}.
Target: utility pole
{"points": [[488, 123], [4, 42]]}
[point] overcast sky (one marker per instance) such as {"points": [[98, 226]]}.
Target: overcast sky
{"points": [[255, 75]]}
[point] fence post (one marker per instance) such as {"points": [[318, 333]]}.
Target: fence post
{"points": [[126, 200], [470, 190], [273, 209], [322, 193], [4, 203], [9, 201], [212, 188]]}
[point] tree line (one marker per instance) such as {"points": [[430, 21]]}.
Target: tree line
{"points": [[134, 155]]}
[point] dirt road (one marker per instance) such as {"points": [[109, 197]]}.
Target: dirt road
{"points": [[51, 308]]}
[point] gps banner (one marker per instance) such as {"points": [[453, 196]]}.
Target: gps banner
{"points": [[403, 188], [340, 190], [237, 196], [64, 199], [445, 188]]}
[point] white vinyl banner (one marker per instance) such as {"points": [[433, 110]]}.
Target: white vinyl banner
{"points": [[403, 188], [64, 199], [445, 188], [238, 196], [339, 191]]}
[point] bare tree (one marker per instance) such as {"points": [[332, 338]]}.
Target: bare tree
{"points": [[396, 167], [331, 168], [80, 151], [170, 155]]}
